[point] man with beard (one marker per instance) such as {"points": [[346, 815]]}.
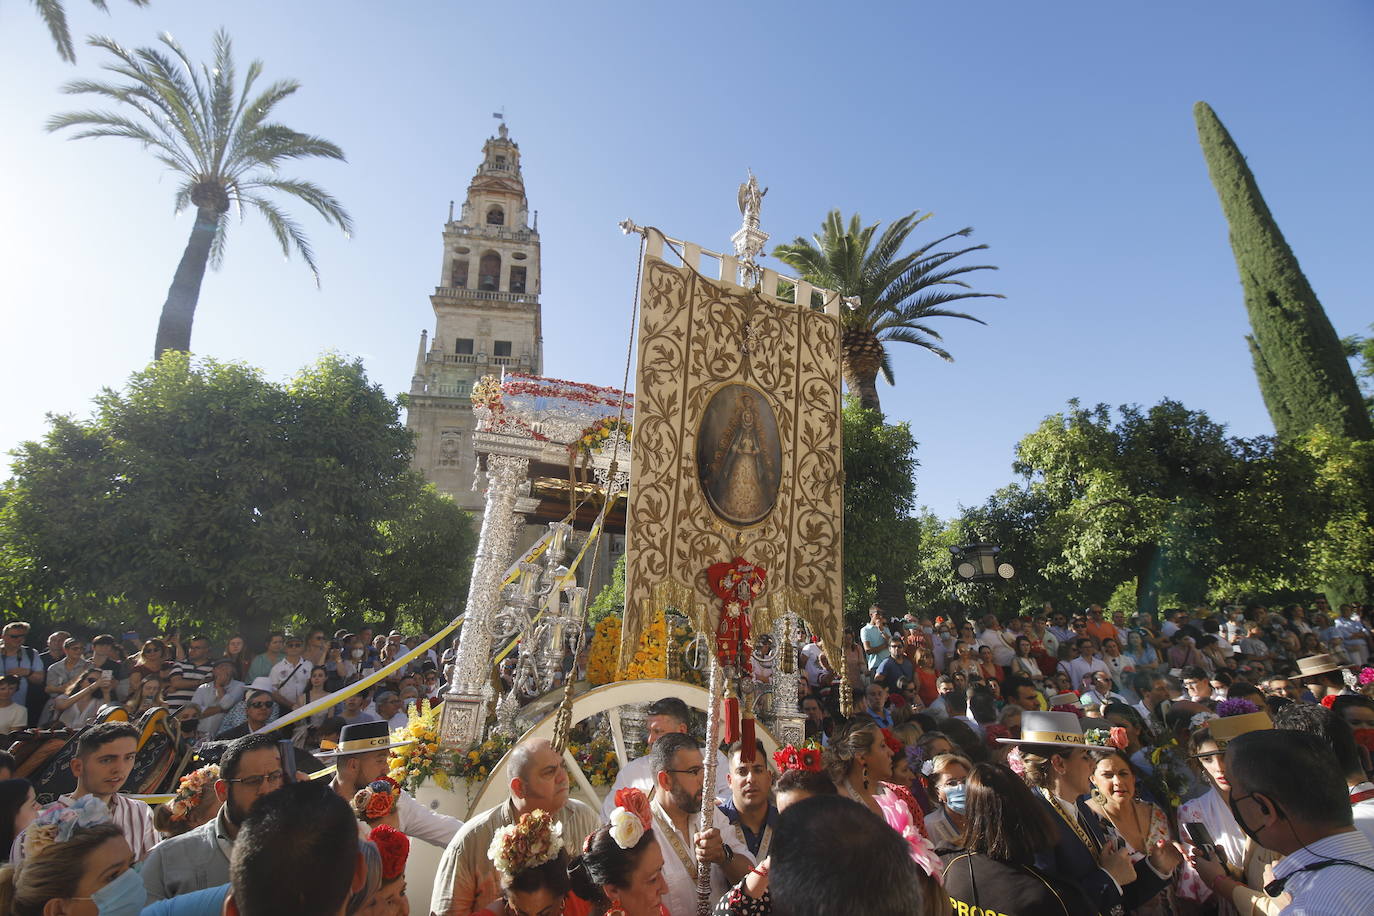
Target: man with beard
{"points": [[361, 758], [676, 804], [249, 768]]}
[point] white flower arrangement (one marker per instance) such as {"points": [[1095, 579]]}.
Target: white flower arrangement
{"points": [[626, 828]]}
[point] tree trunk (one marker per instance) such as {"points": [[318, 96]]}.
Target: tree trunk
{"points": [[179, 311], [1147, 581], [864, 385]]}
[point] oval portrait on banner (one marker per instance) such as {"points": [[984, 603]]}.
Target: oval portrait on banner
{"points": [[739, 455]]}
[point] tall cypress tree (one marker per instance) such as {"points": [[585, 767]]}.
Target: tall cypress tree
{"points": [[1302, 369]]}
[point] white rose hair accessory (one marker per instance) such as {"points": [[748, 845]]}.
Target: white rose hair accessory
{"points": [[528, 843], [631, 818], [928, 768], [1201, 719], [57, 822]]}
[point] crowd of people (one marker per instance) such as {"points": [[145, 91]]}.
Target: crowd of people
{"points": [[215, 691], [1050, 764]]}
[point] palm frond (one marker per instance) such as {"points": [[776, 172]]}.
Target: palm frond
{"points": [[220, 243], [909, 336], [321, 200], [54, 16], [287, 231]]}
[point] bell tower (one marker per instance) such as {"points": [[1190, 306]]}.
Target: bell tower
{"points": [[486, 317]]}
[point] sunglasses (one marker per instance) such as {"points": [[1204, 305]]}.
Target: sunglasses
{"points": [[263, 704]]}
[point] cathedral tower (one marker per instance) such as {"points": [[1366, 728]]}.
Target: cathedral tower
{"points": [[486, 317]]}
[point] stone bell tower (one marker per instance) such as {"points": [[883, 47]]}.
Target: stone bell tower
{"points": [[486, 317]]}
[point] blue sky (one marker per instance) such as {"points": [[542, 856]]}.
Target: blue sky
{"points": [[1062, 132]]}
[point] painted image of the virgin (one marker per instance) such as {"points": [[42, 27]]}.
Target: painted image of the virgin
{"points": [[739, 457]]}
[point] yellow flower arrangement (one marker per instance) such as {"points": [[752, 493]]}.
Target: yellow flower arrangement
{"points": [[650, 659], [411, 764], [598, 761]]}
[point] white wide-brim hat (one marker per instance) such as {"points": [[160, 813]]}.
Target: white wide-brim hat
{"points": [[1060, 729]]}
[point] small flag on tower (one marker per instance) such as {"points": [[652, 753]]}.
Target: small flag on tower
{"points": [[497, 114]]}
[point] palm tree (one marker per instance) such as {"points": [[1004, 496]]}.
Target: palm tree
{"points": [[896, 295], [217, 139], [54, 15]]}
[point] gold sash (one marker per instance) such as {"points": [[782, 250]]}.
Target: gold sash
{"points": [[674, 840], [1075, 823]]}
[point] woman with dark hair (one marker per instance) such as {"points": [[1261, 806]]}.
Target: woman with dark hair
{"points": [[988, 669], [78, 707], [1053, 755], [532, 868], [1005, 829], [18, 808], [620, 871], [1203, 878], [1142, 825]]}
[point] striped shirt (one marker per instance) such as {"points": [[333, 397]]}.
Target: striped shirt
{"points": [[134, 818], [1337, 890]]}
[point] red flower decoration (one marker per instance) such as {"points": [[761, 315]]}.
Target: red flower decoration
{"points": [[892, 743], [394, 847], [637, 803], [797, 758], [810, 759], [1329, 700]]}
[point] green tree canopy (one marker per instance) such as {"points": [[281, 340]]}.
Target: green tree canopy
{"points": [[880, 534], [213, 133], [204, 494], [1164, 496]]}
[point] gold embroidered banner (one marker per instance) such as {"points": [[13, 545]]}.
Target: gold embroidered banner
{"points": [[736, 453]]}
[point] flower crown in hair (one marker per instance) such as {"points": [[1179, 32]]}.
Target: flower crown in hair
{"points": [[1107, 737], [57, 822], [191, 789], [376, 799], [631, 818], [528, 843], [394, 847], [797, 758]]}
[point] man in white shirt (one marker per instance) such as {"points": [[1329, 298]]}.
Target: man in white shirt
{"points": [[1288, 794], [1334, 728], [360, 758], [1084, 664], [667, 716], [676, 804], [217, 697], [291, 676], [996, 639]]}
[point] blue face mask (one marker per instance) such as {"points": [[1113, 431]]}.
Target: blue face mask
{"points": [[124, 896], [956, 797]]}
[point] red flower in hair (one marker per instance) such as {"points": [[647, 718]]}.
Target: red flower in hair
{"points": [[394, 847], [637, 803], [892, 743], [1329, 700], [810, 759]]}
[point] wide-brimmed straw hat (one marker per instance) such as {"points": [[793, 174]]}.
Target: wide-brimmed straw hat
{"points": [[1228, 728], [363, 738], [1317, 664], [1061, 729]]}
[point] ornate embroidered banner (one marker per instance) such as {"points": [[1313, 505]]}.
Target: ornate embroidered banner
{"points": [[737, 451]]}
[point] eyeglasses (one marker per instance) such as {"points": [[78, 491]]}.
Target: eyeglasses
{"points": [[262, 704], [690, 771], [253, 782]]}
